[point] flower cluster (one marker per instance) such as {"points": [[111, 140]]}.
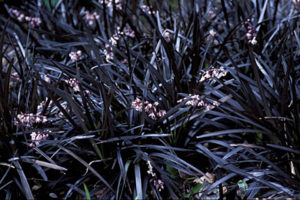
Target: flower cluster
{"points": [[75, 55], [90, 18], [147, 9], [127, 32], [196, 101], [27, 120], [73, 82], [37, 137], [251, 33], [159, 184], [212, 73], [34, 21], [109, 55], [150, 109], [109, 3], [113, 40], [108, 51]]}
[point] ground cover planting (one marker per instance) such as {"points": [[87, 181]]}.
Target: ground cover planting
{"points": [[144, 99]]}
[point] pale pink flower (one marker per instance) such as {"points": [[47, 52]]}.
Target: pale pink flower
{"points": [[161, 113], [14, 11], [15, 75], [109, 3], [37, 137], [196, 101], [192, 100], [150, 109], [108, 51], [253, 41], [28, 120], [201, 103], [129, 32], [34, 21], [114, 39], [159, 184], [251, 33], [91, 17], [75, 55], [73, 82], [87, 92], [76, 88], [147, 9], [212, 33], [152, 115], [108, 55], [213, 73], [137, 104], [47, 79], [21, 17]]}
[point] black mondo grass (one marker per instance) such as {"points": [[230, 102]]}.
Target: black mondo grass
{"points": [[123, 99]]}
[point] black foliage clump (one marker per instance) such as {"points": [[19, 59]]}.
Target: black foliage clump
{"points": [[124, 99]]}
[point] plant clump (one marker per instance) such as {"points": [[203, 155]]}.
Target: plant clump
{"points": [[125, 99]]}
